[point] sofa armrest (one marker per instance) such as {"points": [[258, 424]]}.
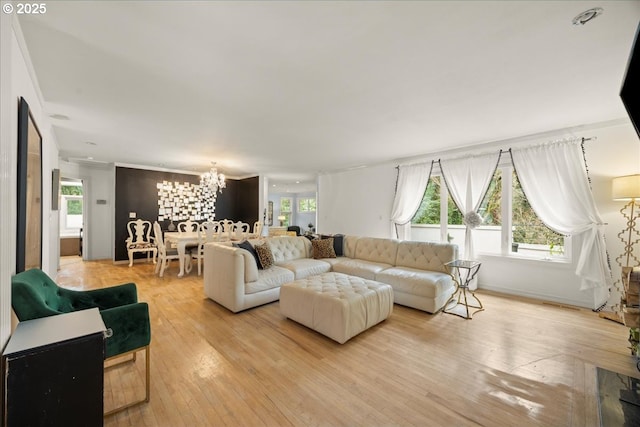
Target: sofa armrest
{"points": [[224, 275]]}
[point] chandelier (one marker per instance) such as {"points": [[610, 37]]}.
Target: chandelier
{"points": [[213, 180]]}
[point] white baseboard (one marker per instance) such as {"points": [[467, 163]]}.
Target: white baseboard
{"points": [[538, 296]]}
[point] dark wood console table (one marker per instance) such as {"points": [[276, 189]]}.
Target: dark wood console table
{"points": [[54, 371]]}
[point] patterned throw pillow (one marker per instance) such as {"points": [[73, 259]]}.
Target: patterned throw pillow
{"points": [[323, 248], [265, 255]]}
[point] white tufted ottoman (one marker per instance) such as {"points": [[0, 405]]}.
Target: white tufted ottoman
{"points": [[336, 305]]}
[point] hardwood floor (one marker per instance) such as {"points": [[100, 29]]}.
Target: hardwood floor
{"points": [[516, 363]]}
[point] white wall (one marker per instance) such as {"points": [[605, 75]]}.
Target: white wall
{"points": [[16, 71], [7, 180], [357, 202]]}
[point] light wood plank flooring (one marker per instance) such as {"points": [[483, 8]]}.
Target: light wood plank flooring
{"points": [[517, 363]]}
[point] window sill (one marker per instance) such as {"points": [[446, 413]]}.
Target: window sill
{"points": [[560, 262]]}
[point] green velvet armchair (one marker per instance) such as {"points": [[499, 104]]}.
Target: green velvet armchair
{"points": [[35, 295]]}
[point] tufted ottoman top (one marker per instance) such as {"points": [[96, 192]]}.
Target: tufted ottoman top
{"points": [[336, 305], [337, 285]]}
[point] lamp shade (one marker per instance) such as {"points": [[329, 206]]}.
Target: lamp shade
{"points": [[626, 187], [281, 217]]}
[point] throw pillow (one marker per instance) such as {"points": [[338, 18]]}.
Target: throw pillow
{"points": [[338, 243], [249, 247], [323, 248], [264, 255]]}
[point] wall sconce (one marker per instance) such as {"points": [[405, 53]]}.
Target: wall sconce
{"points": [[281, 218]]}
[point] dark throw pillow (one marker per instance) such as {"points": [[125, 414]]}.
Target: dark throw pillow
{"points": [[338, 243], [323, 248], [249, 247], [265, 256]]}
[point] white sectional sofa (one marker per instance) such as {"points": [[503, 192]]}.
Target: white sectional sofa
{"points": [[415, 270]]}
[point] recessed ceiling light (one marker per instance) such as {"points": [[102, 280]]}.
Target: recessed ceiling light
{"points": [[297, 182], [587, 16], [89, 158], [59, 116]]}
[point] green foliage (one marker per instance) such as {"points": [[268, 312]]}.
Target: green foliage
{"points": [[491, 206], [74, 207], [71, 190], [527, 227], [429, 210]]}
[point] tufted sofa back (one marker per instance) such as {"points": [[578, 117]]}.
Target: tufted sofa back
{"points": [[285, 248], [425, 255], [377, 250], [349, 246]]}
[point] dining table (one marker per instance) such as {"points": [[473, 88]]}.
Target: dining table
{"points": [[180, 240]]}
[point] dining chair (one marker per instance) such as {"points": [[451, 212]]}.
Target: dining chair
{"points": [[227, 228], [240, 231], [35, 295], [188, 226], [257, 230], [209, 231], [165, 255], [140, 240]]}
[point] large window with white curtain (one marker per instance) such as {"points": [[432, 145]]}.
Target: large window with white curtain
{"points": [[510, 226]]}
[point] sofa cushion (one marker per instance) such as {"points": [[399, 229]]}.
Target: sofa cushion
{"points": [[413, 281], [265, 256], [349, 247], [286, 248], [360, 268], [377, 250], [323, 248], [305, 267], [425, 255], [274, 277]]}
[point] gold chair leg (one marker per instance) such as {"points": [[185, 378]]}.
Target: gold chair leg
{"points": [[147, 379]]}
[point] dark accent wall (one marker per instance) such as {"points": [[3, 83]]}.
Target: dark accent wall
{"points": [[136, 191]]}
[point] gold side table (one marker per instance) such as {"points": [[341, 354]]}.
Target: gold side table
{"points": [[463, 272]]}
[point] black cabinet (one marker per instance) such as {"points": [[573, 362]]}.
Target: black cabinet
{"points": [[54, 371]]}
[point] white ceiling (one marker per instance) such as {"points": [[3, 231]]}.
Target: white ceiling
{"points": [[289, 89]]}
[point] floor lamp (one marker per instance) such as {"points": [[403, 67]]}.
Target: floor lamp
{"points": [[627, 188]]}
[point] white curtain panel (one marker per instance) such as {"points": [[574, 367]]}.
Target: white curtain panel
{"points": [[554, 179], [467, 180], [412, 182]]}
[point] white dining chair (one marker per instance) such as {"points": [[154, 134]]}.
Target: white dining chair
{"points": [[227, 229], [140, 240], [165, 255], [188, 226], [257, 230], [209, 231], [240, 231]]}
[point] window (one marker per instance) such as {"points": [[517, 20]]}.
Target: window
{"points": [[285, 211], [285, 204], [71, 208], [510, 225], [530, 236], [307, 205]]}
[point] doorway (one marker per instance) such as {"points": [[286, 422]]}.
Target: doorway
{"points": [[71, 220]]}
